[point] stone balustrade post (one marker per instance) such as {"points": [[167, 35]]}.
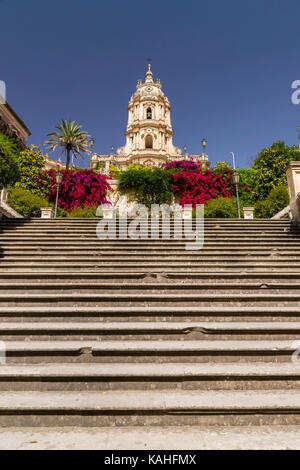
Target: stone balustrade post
{"points": [[47, 213], [248, 212]]}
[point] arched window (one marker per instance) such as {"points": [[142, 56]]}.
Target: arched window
{"points": [[149, 142], [149, 113]]}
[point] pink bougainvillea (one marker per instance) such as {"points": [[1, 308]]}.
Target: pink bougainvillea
{"points": [[183, 165], [196, 185], [77, 189]]}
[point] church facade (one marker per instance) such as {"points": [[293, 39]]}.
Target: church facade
{"points": [[149, 133]]}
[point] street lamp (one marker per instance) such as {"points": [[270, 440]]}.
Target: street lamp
{"points": [[236, 180], [58, 178], [185, 152]]}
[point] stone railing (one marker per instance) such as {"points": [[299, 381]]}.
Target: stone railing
{"points": [[3, 195], [293, 179], [5, 209]]}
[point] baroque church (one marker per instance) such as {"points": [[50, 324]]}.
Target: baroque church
{"points": [[149, 133]]}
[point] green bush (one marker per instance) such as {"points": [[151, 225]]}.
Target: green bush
{"points": [[270, 167], [31, 162], [222, 207], [60, 212], [26, 203], [83, 212], [146, 185], [247, 178], [277, 200], [9, 168]]}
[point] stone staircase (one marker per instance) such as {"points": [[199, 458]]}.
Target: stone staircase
{"points": [[140, 334]]}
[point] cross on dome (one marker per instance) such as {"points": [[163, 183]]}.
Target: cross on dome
{"points": [[149, 74]]}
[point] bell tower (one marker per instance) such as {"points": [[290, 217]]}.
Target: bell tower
{"points": [[149, 133]]}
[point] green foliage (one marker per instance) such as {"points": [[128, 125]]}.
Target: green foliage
{"points": [[60, 212], [146, 185], [247, 178], [114, 171], [270, 167], [220, 167], [70, 138], [222, 207], [277, 200], [9, 168], [100, 166], [26, 203], [31, 163], [83, 212]]}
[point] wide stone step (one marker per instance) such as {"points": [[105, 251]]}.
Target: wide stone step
{"points": [[145, 313], [136, 255], [122, 331], [214, 245], [75, 276], [149, 408], [225, 239], [134, 287], [183, 328], [184, 256], [156, 266], [203, 350], [167, 249], [145, 376], [263, 437], [156, 298]]}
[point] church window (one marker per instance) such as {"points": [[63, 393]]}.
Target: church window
{"points": [[149, 113], [149, 142]]}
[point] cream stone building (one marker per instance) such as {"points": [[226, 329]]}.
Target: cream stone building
{"points": [[12, 125], [149, 133]]}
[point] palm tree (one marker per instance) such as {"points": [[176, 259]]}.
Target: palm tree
{"points": [[71, 139]]}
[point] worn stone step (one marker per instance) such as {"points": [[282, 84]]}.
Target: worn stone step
{"points": [[44, 276], [145, 313], [146, 330], [248, 245], [263, 437], [156, 298], [167, 327], [92, 237], [33, 351], [145, 376], [65, 266], [185, 256], [38, 255], [167, 249], [65, 286], [149, 408]]}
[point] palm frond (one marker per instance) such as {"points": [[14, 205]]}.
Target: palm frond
{"points": [[71, 138]]}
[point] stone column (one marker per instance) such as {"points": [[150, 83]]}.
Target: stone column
{"points": [[293, 179]]}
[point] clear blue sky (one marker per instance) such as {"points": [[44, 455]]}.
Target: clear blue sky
{"points": [[226, 66]]}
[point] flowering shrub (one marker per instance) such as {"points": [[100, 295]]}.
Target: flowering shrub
{"points": [[77, 189], [198, 187], [194, 184], [186, 165]]}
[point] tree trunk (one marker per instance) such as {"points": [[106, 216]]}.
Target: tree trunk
{"points": [[68, 159]]}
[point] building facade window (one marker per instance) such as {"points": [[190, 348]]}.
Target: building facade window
{"points": [[149, 113], [149, 142]]}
